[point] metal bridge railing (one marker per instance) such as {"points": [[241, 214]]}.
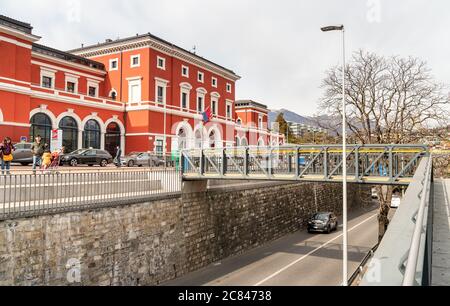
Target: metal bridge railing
{"points": [[403, 256], [388, 163], [24, 195]]}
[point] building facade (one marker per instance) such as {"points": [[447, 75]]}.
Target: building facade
{"points": [[252, 121], [141, 93], [299, 130]]}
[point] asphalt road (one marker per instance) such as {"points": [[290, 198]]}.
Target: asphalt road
{"points": [[300, 259]]}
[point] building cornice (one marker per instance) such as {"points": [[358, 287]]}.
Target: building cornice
{"points": [[19, 34], [149, 42], [67, 63]]}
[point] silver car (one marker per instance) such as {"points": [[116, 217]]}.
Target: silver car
{"points": [[23, 154], [141, 159]]}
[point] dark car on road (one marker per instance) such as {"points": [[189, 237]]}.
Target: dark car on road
{"points": [[323, 222], [89, 157], [23, 154]]}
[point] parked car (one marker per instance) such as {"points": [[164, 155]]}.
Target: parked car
{"points": [[323, 222], [142, 159], [374, 193], [89, 157], [23, 154], [395, 202]]}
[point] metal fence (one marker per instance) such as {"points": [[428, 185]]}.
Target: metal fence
{"points": [[28, 194], [388, 164]]}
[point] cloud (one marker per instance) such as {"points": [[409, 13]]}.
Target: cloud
{"points": [[276, 46]]}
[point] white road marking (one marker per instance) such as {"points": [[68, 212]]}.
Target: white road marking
{"points": [[310, 253]]}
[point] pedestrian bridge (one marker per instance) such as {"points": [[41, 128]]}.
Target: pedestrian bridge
{"points": [[372, 164]]}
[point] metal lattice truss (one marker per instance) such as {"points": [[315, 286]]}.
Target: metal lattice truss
{"points": [[374, 164]]}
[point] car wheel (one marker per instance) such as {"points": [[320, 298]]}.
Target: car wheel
{"points": [[91, 165], [24, 164], [74, 162], [103, 163], [131, 163]]}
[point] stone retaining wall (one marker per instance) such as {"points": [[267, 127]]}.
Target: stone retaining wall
{"points": [[149, 243]]}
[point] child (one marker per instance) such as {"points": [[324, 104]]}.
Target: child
{"points": [[46, 159]]}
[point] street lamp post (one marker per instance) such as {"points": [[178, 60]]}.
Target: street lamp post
{"points": [[344, 156]]}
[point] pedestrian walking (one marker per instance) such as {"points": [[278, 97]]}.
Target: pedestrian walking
{"points": [[38, 150], [117, 158], [6, 150]]}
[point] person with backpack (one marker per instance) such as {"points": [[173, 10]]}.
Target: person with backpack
{"points": [[6, 154]]}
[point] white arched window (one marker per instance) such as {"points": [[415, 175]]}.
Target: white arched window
{"points": [[113, 94]]}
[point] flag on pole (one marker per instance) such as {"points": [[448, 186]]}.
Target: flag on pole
{"points": [[207, 115]]}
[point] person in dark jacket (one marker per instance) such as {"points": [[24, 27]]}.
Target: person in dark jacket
{"points": [[117, 157], [37, 148], [6, 154]]}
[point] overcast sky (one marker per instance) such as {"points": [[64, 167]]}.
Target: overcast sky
{"points": [[275, 45]]}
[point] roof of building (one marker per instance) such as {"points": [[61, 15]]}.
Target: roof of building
{"points": [[110, 42], [67, 56], [16, 24], [249, 103]]}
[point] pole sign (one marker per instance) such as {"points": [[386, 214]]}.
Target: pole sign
{"points": [[56, 140]]}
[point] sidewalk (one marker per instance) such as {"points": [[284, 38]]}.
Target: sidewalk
{"points": [[441, 234]]}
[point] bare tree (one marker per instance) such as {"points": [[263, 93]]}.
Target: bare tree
{"points": [[389, 100]]}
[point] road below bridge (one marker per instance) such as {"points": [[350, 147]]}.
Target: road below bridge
{"points": [[300, 259]]}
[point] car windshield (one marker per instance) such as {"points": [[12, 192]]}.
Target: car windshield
{"points": [[79, 151], [321, 217], [134, 153]]}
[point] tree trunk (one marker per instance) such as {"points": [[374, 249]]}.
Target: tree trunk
{"points": [[383, 220], [384, 198]]}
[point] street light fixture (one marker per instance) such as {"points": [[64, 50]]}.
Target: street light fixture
{"points": [[344, 156]]}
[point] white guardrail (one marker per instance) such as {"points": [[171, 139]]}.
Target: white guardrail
{"points": [[401, 258]]}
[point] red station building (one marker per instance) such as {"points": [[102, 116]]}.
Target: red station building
{"points": [[142, 93]]}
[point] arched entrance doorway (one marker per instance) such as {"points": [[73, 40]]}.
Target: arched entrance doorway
{"points": [[69, 127], [212, 139], [91, 135], [238, 141], [244, 142], [41, 124], [112, 138], [182, 139], [198, 139]]}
